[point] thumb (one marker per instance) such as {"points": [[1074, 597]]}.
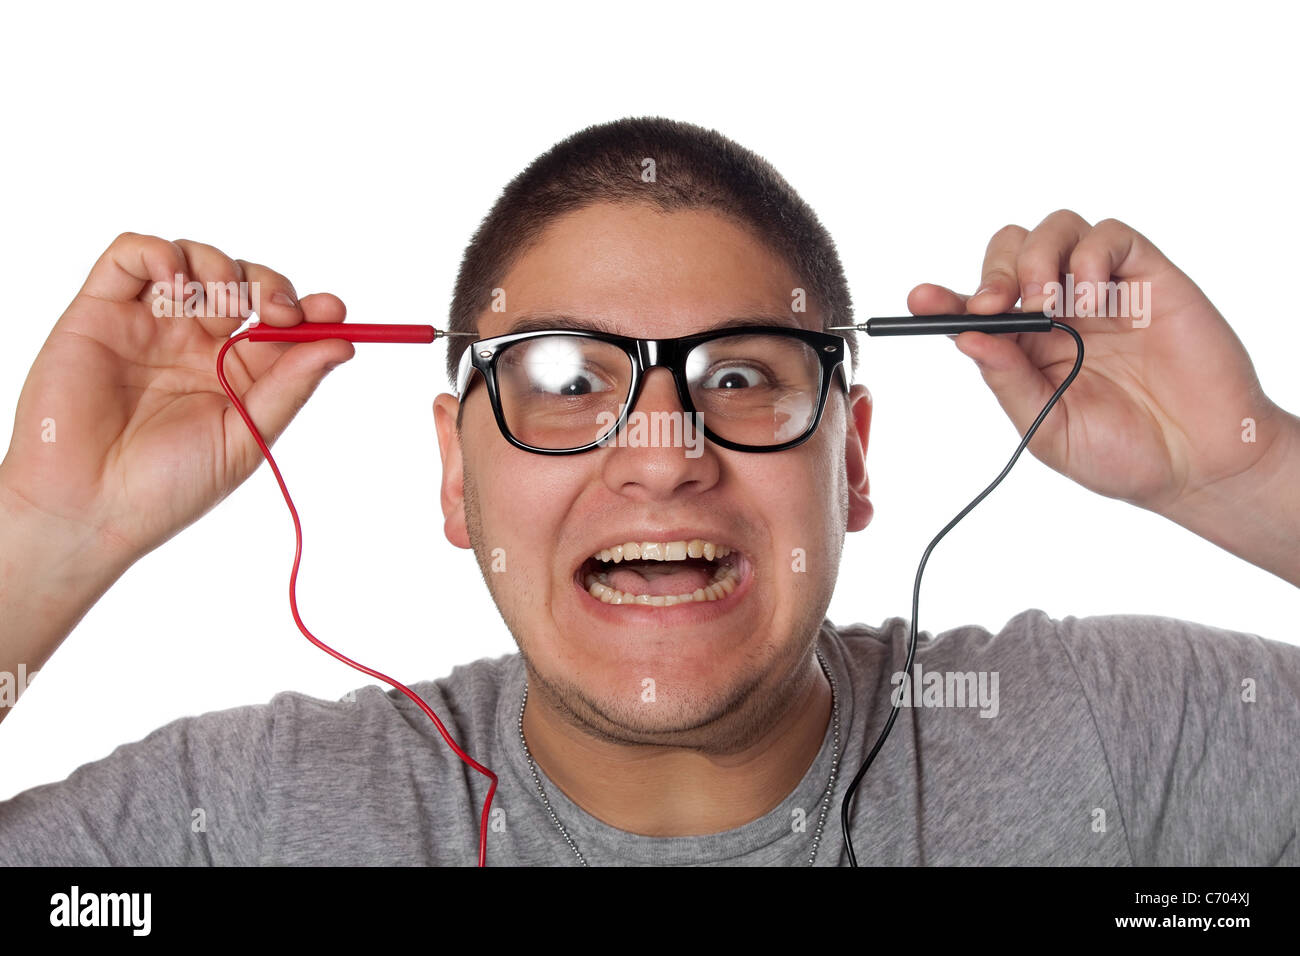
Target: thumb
{"points": [[283, 389], [1020, 388]]}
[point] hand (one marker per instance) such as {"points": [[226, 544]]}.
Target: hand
{"points": [[1157, 415], [123, 435]]}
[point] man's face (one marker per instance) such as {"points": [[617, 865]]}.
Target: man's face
{"points": [[700, 674]]}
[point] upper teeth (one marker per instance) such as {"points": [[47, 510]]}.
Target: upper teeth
{"points": [[663, 551]]}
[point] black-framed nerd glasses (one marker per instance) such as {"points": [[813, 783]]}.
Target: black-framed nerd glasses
{"points": [[753, 388]]}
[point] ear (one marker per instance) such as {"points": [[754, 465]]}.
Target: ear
{"points": [[445, 408], [855, 457]]}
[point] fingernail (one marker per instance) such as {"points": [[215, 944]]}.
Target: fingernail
{"points": [[982, 289], [1032, 288], [283, 298]]}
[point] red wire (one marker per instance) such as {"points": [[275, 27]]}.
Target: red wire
{"points": [[293, 604]]}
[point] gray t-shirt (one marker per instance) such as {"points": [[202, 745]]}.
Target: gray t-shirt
{"points": [[1106, 740]]}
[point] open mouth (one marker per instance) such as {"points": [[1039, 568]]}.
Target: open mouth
{"points": [[662, 574]]}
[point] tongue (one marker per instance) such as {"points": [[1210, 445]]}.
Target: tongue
{"points": [[657, 578]]}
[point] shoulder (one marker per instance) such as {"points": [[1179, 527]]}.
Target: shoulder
{"points": [[1030, 631], [465, 700], [1153, 648], [1155, 660], [1117, 637]]}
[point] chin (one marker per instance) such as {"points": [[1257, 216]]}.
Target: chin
{"points": [[687, 702]]}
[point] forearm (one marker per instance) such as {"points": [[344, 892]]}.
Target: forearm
{"points": [[51, 573], [1255, 516]]}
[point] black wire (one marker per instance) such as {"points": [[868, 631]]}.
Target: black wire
{"points": [[847, 804]]}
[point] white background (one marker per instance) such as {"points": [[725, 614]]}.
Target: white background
{"points": [[356, 148]]}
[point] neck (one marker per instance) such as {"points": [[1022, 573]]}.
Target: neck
{"points": [[668, 791]]}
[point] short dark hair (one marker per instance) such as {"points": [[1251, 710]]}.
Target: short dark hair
{"points": [[694, 168]]}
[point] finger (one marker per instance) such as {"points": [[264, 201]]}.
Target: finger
{"points": [[930, 299], [1045, 255], [1114, 250], [323, 307], [999, 286], [274, 298], [258, 357], [1019, 386], [132, 263], [223, 300], [279, 394]]}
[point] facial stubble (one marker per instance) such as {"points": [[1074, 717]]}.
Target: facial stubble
{"points": [[726, 723]]}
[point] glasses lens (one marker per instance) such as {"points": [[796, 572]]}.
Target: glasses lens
{"points": [[562, 391], [755, 389]]}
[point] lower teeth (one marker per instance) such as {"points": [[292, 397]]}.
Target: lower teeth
{"points": [[724, 582]]}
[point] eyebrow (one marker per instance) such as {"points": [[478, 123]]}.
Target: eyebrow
{"points": [[542, 321]]}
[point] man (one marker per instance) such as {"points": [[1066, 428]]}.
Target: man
{"points": [[721, 726]]}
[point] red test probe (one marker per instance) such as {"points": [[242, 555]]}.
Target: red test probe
{"points": [[312, 332]]}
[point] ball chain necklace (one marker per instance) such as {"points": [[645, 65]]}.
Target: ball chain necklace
{"points": [[826, 798]]}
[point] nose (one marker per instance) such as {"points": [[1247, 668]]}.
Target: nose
{"points": [[661, 450], [659, 393]]}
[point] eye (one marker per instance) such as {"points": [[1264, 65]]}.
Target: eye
{"points": [[570, 385], [557, 367], [734, 376]]}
